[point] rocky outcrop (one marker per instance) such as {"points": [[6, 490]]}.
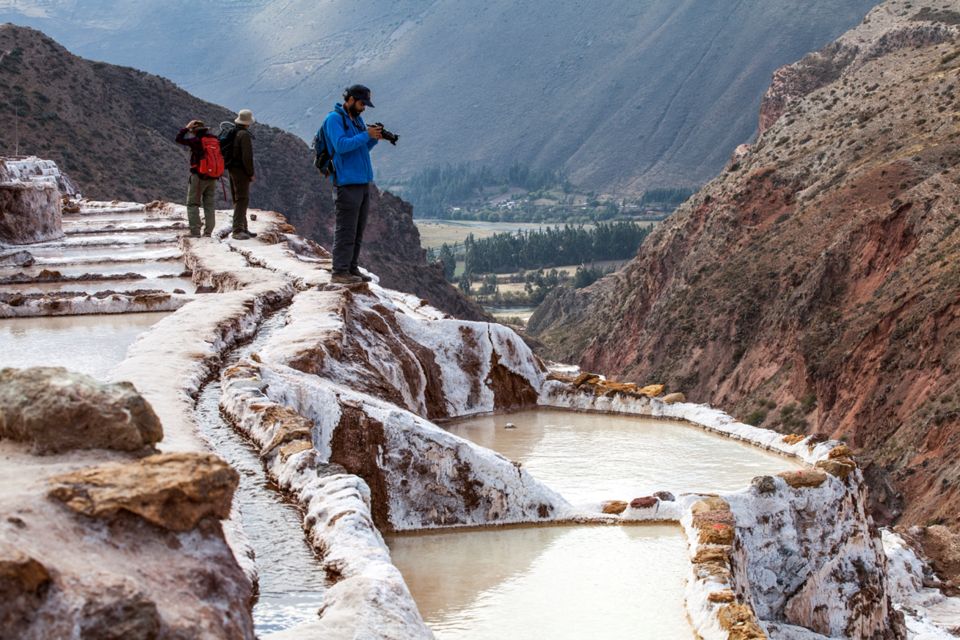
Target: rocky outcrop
{"points": [[809, 288], [888, 28], [30, 209], [57, 410], [171, 490]]}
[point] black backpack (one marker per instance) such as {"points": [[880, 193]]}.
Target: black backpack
{"points": [[228, 133], [323, 157]]}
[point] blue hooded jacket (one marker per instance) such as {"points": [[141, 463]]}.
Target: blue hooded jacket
{"points": [[350, 147]]}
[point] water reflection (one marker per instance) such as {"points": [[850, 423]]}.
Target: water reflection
{"points": [[589, 457], [549, 582]]}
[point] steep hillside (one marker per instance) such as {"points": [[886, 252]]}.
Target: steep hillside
{"points": [[815, 284], [111, 128], [622, 95]]}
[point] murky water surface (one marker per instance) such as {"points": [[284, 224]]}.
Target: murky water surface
{"points": [[590, 457], [549, 582], [91, 344]]}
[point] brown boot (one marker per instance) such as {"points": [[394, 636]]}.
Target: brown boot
{"points": [[339, 277]]}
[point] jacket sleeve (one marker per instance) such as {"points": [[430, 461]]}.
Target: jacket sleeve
{"points": [[337, 135], [372, 142], [182, 137], [246, 152]]}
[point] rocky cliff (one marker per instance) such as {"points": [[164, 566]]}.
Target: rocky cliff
{"points": [[814, 284], [111, 129]]}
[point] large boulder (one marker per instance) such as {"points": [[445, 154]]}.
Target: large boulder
{"points": [[58, 410], [174, 491], [30, 204]]}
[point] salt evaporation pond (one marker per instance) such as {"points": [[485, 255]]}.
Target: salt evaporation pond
{"points": [[591, 457], [91, 344], [558, 582], [584, 581]]}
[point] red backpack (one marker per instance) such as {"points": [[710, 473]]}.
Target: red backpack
{"points": [[211, 165]]}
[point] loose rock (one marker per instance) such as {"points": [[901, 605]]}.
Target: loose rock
{"points": [[644, 502], [664, 496], [672, 398], [172, 490], [119, 612], [764, 485], [58, 410], [804, 478], [839, 467], [614, 506]]}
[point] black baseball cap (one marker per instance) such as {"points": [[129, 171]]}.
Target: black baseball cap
{"points": [[359, 92]]}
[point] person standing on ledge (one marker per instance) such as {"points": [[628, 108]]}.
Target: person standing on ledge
{"points": [[240, 165], [349, 141], [206, 167]]}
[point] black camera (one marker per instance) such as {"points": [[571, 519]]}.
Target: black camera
{"points": [[389, 136]]}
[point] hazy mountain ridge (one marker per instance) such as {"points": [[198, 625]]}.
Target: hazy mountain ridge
{"points": [[621, 98], [111, 129], [813, 285]]}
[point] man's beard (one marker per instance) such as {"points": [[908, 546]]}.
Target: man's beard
{"points": [[353, 112]]}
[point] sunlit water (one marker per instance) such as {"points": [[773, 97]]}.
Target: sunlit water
{"points": [[590, 457], [549, 582], [92, 344]]}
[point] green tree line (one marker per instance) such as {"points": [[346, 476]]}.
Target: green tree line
{"points": [[550, 247]]}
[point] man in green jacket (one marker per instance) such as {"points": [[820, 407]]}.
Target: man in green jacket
{"points": [[241, 173]]}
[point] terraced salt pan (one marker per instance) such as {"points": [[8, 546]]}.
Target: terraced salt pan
{"points": [[166, 267], [590, 457], [553, 582], [56, 256], [88, 344], [93, 286]]}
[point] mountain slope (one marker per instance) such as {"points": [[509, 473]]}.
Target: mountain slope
{"points": [[111, 129], [620, 95], [815, 284]]}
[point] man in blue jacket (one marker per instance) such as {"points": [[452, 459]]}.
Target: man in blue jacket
{"points": [[349, 140]]}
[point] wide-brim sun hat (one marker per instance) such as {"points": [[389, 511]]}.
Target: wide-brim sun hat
{"points": [[244, 116]]}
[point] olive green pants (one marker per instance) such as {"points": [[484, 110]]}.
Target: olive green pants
{"points": [[201, 190]]}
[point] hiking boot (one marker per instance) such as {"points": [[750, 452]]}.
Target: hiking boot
{"points": [[356, 272], [250, 233], [339, 277], [194, 234], [241, 235], [207, 235]]}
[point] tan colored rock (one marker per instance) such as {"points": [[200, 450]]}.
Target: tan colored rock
{"points": [[793, 438], [673, 398], [840, 451], [718, 555], [804, 478], [651, 390], [717, 533], [58, 410], [721, 596], [293, 448], [839, 467], [585, 378], [287, 426], [710, 503], [172, 490], [614, 506], [741, 622]]}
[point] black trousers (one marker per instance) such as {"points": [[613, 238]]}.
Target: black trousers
{"points": [[240, 188], [352, 204]]}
